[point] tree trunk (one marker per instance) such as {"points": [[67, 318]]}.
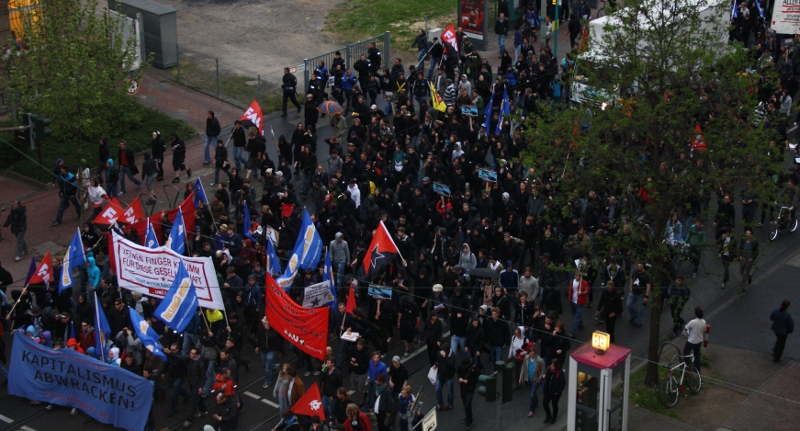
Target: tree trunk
{"points": [[651, 378]]}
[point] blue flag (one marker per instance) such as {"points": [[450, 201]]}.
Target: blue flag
{"points": [[180, 303], [488, 113], [505, 109], [199, 193], [306, 252], [273, 265], [101, 330], [150, 240], [31, 271], [247, 222], [177, 235], [146, 334], [74, 258], [327, 275]]}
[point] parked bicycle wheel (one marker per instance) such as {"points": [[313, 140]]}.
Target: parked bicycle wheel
{"points": [[668, 391], [693, 379], [773, 231], [793, 225]]}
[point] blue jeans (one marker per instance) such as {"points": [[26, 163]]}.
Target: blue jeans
{"points": [[501, 43], [306, 184], [496, 353], [577, 310], [339, 272], [635, 307], [473, 354], [237, 157], [457, 344], [387, 106], [534, 394], [327, 407], [434, 65], [210, 140], [268, 359], [64, 203], [126, 171], [450, 395], [177, 391], [210, 377], [111, 190], [189, 341], [421, 59], [282, 402]]}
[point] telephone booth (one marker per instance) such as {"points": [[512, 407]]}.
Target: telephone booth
{"points": [[595, 404]]}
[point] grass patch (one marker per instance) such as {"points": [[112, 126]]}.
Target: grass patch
{"points": [[236, 85], [359, 19], [136, 131], [646, 397]]}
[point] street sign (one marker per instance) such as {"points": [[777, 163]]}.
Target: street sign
{"points": [[429, 421], [133, 86], [293, 69], [301, 67]]}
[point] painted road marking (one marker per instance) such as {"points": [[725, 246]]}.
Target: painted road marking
{"points": [[6, 419], [252, 395], [269, 403]]}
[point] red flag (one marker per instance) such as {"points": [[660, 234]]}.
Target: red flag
{"points": [[699, 141], [188, 208], [306, 328], [351, 301], [381, 251], [133, 213], [310, 404], [110, 213], [254, 115], [44, 272], [449, 36]]}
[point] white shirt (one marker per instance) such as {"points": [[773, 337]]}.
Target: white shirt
{"points": [[355, 194], [576, 286], [696, 328]]}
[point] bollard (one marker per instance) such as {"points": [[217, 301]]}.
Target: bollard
{"points": [[259, 90], [217, 60]]}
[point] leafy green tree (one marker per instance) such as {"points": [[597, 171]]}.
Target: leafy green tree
{"points": [[72, 67], [679, 127]]}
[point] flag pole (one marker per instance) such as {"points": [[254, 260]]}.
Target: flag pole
{"points": [[25, 289], [429, 51]]}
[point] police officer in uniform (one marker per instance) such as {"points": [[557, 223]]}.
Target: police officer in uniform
{"points": [[289, 90]]}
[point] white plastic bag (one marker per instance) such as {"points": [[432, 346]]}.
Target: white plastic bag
{"points": [[432, 375]]}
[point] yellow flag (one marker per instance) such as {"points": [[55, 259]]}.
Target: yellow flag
{"points": [[438, 104]]}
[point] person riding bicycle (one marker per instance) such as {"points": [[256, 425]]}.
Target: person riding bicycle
{"points": [[788, 197]]}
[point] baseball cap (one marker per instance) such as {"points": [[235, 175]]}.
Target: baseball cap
{"points": [[395, 358]]}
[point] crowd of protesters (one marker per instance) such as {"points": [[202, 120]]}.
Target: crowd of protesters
{"points": [[485, 262]]}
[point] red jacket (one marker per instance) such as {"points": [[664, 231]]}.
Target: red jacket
{"points": [[363, 420], [583, 291]]}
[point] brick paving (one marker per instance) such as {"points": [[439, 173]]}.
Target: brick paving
{"points": [[770, 408]]}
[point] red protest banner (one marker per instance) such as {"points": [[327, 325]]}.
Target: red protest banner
{"points": [[306, 328]]}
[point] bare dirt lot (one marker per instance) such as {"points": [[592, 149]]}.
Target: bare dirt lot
{"points": [[252, 37]]}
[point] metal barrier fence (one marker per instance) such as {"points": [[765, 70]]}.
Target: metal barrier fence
{"points": [[351, 53]]}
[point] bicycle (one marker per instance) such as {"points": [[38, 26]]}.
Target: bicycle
{"points": [[671, 388], [680, 255], [785, 220]]}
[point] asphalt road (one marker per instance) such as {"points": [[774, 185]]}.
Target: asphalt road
{"points": [[740, 321]]}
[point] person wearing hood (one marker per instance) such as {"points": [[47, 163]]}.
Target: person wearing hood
{"points": [[468, 373], [157, 148], [112, 178], [574, 29], [73, 344], [340, 255], [467, 259], [445, 374], [67, 191], [178, 158], [94, 273], [17, 220], [104, 153], [113, 357], [127, 167], [149, 174]]}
